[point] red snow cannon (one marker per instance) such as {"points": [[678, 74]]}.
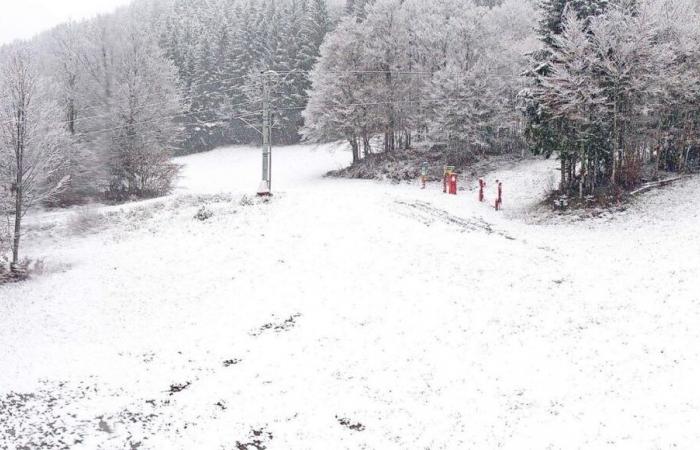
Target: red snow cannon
{"points": [[452, 184], [446, 177]]}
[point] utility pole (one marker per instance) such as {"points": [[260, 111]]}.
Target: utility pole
{"points": [[265, 188]]}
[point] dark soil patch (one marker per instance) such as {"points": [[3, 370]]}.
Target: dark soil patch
{"points": [[278, 327], [347, 423], [221, 404], [175, 388], [257, 440], [54, 417]]}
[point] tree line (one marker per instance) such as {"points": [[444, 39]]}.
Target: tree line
{"points": [[610, 87], [445, 72]]}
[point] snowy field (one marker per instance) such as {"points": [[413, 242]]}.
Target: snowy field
{"points": [[350, 314]]}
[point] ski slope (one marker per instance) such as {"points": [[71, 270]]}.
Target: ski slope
{"points": [[348, 314]]}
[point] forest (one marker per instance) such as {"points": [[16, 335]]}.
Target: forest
{"points": [[609, 87], [95, 110]]}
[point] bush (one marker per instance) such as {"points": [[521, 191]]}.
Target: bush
{"points": [[23, 271], [631, 171], [4, 271], [147, 180], [204, 214], [406, 165], [246, 201]]}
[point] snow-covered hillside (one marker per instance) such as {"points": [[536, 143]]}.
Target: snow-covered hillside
{"points": [[352, 314]]}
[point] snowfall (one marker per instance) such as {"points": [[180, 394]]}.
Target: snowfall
{"points": [[348, 314]]}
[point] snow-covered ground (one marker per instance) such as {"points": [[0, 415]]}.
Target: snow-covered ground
{"points": [[354, 315]]}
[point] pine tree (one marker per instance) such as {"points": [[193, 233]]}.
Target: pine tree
{"points": [[546, 134], [551, 22], [573, 96]]}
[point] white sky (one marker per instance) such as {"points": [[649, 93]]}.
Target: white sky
{"points": [[21, 19]]}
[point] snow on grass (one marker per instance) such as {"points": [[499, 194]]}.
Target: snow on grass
{"points": [[238, 168], [355, 314]]}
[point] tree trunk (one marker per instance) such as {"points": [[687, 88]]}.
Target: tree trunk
{"points": [[355, 150], [616, 143], [19, 193], [391, 122], [14, 266], [562, 182], [19, 178], [571, 170], [582, 176], [71, 116]]}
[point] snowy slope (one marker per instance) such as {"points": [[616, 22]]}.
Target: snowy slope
{"points": [[355, 314]]}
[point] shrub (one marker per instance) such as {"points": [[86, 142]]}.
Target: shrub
{"points": [[204, 214], [144, 180], [246, 201], [23, 271]]}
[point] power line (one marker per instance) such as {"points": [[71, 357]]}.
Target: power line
{"points": [[395, 102], [382, 72], [155, 119], [241, 116], [238, 78], [199, 85], [399, 72], [252, 113], [184, 98], [139, 108]]}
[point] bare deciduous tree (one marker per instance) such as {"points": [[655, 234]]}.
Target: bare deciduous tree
{"points": [[31, 145], [146, 101]]}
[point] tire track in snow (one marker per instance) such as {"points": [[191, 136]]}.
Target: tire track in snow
{"points": [[429, 214]]}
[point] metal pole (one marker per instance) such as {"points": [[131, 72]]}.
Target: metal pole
{"points": [[270, 125], [266, 135], [269, 147], [266, 129]]}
